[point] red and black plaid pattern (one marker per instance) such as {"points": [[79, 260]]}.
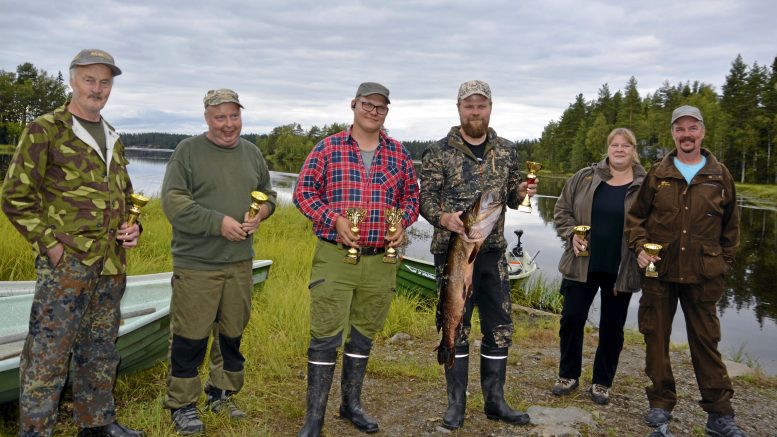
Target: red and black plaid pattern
{"points": [[333, 179]]}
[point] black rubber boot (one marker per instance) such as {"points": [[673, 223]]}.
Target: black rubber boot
{"points": [[111, 430], [321, 369], [354, 367], [456, 378], [493, 366]]}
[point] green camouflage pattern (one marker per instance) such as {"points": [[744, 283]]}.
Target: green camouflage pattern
{"points": [[57, 189], [75, 309], [451, 177]]}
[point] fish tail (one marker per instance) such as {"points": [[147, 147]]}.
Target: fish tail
{"points": [[445, 355]]}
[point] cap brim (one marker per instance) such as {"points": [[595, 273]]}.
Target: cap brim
{"points": [[114, 69]]}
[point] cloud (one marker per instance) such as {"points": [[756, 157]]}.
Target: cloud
{"points": [[302, 61]]}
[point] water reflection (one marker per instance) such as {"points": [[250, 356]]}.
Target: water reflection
{"points": [[748, 311]]}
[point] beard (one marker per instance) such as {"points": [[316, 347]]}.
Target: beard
{"points": [[475, 128]]}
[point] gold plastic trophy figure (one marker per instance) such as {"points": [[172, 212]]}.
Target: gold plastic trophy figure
{"points": [[393, 216], [138, 201], [582, 232], [653, 250], [355, 216], [531, 178], [257, 199]]}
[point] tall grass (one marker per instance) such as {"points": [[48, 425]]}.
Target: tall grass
{"points": [[275, 341]]}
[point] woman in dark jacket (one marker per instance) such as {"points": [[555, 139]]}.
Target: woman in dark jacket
{"points": [[597, 196]]}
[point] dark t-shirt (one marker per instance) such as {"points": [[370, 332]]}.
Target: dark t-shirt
{"points": [[96, 130], [607, 215], [477, 149]]}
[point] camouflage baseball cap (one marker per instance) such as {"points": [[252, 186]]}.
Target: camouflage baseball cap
{"points": [[217, 97], [369, 88], [95, 56], [472, 87], [686, 110]]}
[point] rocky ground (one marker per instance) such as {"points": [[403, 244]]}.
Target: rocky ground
{"points": [[414, 407]]}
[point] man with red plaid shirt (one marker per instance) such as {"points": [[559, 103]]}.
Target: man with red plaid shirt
{"points": [[361, 167]]}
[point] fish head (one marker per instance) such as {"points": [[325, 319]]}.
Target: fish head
{"points": [[483, 215]]}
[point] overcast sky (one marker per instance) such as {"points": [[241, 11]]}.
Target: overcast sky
{"points": [[301, 61]]}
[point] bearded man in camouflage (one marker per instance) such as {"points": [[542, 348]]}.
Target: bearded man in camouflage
{"points": [[66, 192], [472, 159]]}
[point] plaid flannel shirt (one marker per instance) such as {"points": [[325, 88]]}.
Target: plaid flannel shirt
{"points": [[333, 179]]}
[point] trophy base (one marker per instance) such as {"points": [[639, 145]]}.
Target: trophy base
{"points": [[524, 208], [583, 253], [388, 259], [651, 274], [350, 260]]}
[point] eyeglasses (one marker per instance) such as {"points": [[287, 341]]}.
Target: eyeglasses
{"points": [[368, 107], [622, 146]]}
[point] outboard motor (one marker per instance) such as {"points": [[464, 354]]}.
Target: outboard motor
{"points": [[517, 250]]}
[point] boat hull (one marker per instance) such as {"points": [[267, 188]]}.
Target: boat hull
{"points": [[143, 333], [417, 276]]}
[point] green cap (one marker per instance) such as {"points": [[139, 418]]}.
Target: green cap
{"points": [[369, 88], [95, 56], [217, 97], [687, 111]]}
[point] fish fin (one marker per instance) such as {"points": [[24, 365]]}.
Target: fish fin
{"points": [[473, 255]]}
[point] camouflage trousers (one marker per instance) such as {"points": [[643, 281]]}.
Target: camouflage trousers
{"points": [[75, 310], [491, 294]]}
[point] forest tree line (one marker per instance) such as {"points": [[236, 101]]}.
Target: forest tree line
{"points": [[740, 121]]}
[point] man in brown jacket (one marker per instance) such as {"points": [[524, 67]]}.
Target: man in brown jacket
{"points": [[687, 204]]}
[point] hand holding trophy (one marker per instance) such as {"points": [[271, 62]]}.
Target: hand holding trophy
{"points": [[257, 199], [531, 178], [138, 201], [652, 249], [393, 216], [355, 216], [582, 232]]}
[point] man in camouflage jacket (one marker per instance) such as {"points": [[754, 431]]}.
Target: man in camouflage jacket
{"points": [[472, 159], [66, 192]]}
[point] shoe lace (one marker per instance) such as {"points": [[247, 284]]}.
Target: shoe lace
{"points": [[600, 390], [565, 381], [187, 413]]}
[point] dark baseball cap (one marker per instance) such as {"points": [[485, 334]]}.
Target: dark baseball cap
{"points": [[369, 88], [95, 56]]}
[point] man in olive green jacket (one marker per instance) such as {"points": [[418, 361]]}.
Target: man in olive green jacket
{"points": [[66, 192]]}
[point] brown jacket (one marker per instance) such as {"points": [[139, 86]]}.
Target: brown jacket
{"points": [[574, 208], [697, 224]]}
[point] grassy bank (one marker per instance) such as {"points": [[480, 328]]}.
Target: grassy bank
{"points": [[761, 195], [404, 383]]}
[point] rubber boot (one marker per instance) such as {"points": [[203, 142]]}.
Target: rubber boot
{"points": [[456, 378], [321, 369], [354, 367], [493, 366]]}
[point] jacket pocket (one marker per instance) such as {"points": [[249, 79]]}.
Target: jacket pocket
{"points": [[712, 263]]}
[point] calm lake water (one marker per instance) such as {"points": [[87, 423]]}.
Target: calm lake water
{"points": [[748, 312]]}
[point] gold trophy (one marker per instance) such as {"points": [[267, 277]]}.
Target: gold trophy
{"points": [[393, 216], [582, 232], [355, 216], [653, 250], [138, 201], [531, 177], [257, 199]]}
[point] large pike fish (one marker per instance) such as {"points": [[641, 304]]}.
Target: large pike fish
{"points": [[456, 282]]}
